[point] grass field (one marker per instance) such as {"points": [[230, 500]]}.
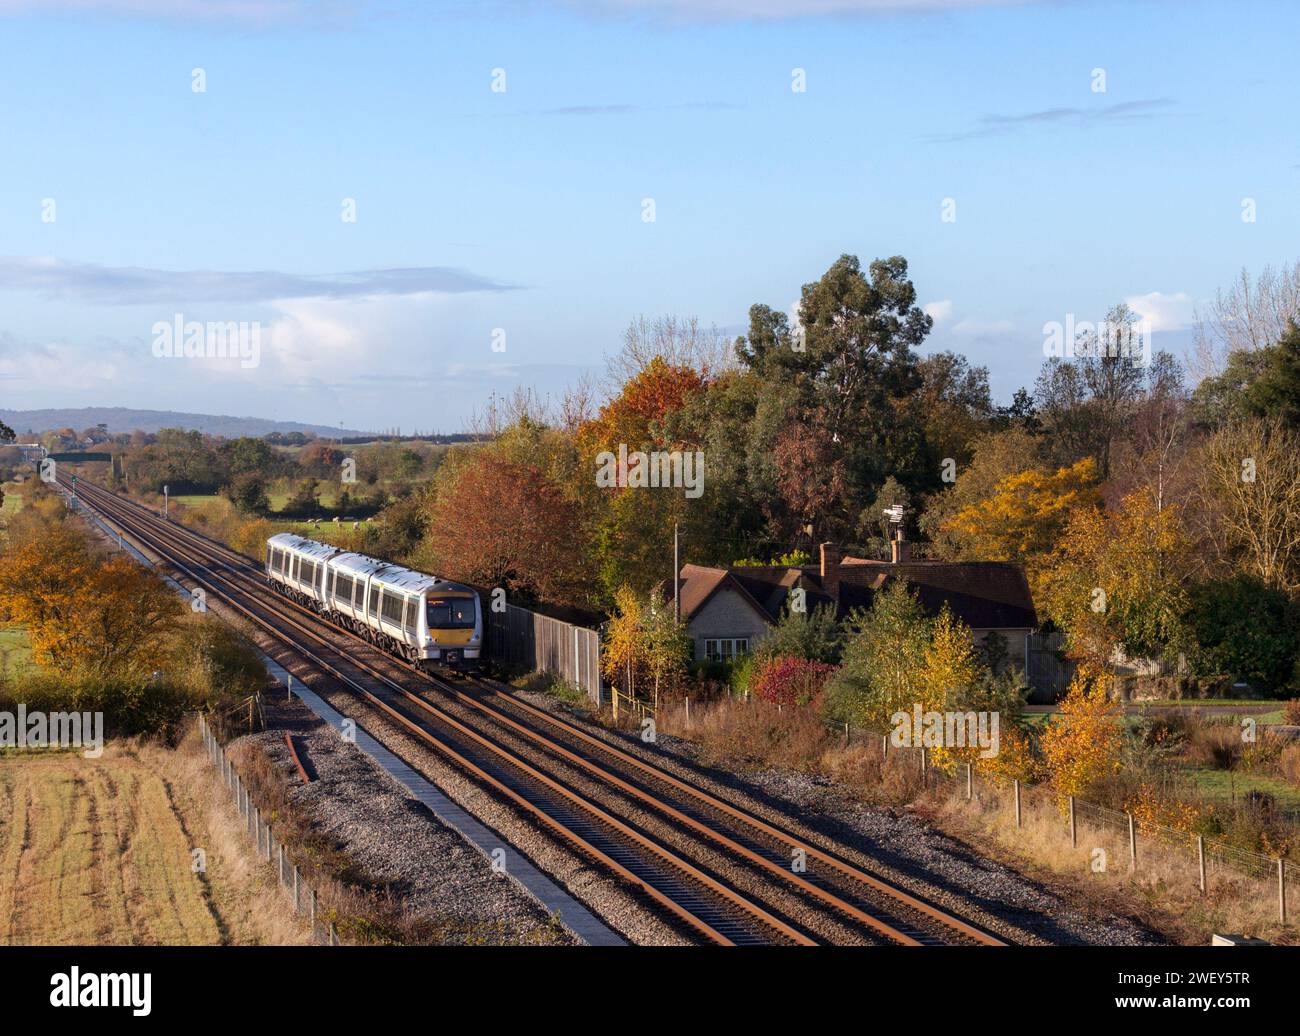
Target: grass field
{"points": [[1220, 786], [219, 506], [15, 651], [99, 851], [13, 503]]}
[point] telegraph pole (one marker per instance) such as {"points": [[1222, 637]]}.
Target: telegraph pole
{"points": [[677, 582]]}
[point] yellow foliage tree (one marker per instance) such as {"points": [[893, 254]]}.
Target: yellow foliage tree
{"points": [[1081, 744], [1024, 517], [947, 672], [85, 613], [1118, 579]]}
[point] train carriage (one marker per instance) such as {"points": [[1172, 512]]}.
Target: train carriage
{"points": [[418, 617]]}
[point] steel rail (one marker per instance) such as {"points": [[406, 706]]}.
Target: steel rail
{"points": [[729, 895], [844, 868]]}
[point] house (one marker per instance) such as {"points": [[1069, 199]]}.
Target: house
{"points": [[728, 609]]}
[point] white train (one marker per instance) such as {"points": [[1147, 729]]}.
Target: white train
{"points": [[420, 618]]}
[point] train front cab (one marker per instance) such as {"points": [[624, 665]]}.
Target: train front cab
{"points": [[455, 628]]}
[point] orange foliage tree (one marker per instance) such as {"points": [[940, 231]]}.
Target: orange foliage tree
{"points": [[632, 528], [1119, 579], [1081, 744], [85, 613], [1025, 516], [503, 524]]}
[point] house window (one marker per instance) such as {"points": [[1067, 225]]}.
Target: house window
{"points": [[726, 649]]}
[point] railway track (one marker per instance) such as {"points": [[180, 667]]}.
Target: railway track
{"points": [[701, 824]]}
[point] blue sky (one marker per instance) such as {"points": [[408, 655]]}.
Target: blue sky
{"points": [[522, 209]]}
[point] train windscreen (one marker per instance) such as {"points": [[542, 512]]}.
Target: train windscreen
{"points": [[455, 613]]}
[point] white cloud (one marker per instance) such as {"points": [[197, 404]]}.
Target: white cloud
{"points": [[975, 328], [1166, 312], [138, 285], [940, 311]]}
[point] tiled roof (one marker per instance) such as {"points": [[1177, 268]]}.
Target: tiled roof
{"points": [[982, 594]]}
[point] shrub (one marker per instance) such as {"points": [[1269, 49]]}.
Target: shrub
{"points": [[1291, 712], [812, 635], [790, 681], [1246, 628]]}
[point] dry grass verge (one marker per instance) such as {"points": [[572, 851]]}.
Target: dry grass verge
{"points": [[101, 852]]}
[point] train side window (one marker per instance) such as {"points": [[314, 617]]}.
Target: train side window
{"points": [[410, 613], [374, 600]]}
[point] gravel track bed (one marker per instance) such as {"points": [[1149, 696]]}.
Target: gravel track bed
{"points": [[896, 846], [759, 886], [393, 839], [892, 844], [610, 899]]}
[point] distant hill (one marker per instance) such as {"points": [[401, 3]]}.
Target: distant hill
{"points": [[123, 419]]}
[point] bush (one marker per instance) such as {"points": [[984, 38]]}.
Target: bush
{"points": [[1248, 629], [790, 681], [1291, 712], [812, 635], [130, 706]]}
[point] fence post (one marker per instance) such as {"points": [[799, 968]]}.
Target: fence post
{"points": [[688, 710], [311, 908], [1200, 860], [279, 864], [1281, 890], [1017, 784], [970, 781], [295, 888], [1074, 832], [1132, 843], [923, 764], [334, 935], [847, 737]]}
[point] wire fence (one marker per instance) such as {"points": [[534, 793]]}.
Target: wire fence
{"points": [[1137, 837], [270, 849], [1013, 799]]}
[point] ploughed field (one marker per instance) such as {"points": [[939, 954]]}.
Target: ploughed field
{"points": [[95, 851]]}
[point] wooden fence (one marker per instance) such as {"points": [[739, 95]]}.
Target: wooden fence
{"points": [[518, 636], [269, 847]]}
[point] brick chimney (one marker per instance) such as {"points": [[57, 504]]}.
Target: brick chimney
{"points": [[831, 553], [899, 549]]}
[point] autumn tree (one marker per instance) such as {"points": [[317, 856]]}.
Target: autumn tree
{"points": [[646, 647], [884, 659], [994, 457], [1118, 579], [502, 524], [623, 652], [1082, 741], [1248, 499], [84, 613], [1024, 517], [632, 527]]}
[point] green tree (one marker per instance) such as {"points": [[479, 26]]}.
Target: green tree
{"points": [[247, 492], [1246, 628], [812, 635], [884, 659]]}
